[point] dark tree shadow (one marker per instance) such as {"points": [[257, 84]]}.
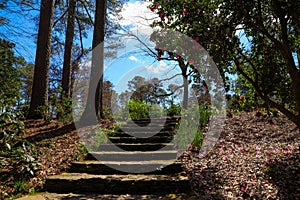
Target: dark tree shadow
{"points": [[51, 133], [207, 184], [285, 175]]}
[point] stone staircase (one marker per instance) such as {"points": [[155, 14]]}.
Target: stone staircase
{"points": [[130, 163]]}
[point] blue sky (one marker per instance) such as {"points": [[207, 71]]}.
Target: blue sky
{"points": [[22, 31], [128, 63]]}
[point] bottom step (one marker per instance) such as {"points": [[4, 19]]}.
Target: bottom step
{"points": [[52, 196], [117, 184]]}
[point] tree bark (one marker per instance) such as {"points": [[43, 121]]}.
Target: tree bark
{"points": [[93, 111], [183, 68], [67, 66], [39, 96], [98, 40]]}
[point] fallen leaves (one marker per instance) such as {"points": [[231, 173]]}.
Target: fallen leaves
{"points": [[251, 160]]}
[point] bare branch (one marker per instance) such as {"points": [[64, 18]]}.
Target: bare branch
{"points": [[87, 12]]}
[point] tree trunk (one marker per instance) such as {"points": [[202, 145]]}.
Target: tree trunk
{"points": [[39, 96], [185, 92], [98, 59], [93, 111], [183, 68], [67, 66]]}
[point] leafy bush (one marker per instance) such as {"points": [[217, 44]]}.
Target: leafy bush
{"points": [[137, 110], [204, 114], [45, 113], [95, 138], [16, 154], [61, 106], [156, 110], [174, 109], [198, 140]]}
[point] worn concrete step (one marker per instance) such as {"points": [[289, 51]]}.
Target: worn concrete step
{"points": [[136, 129], [154, 139], [151, 124], [117, 184], [135, 147], [113, 167], [92, 196], [145, 134], [153, 120], [132, 155]]}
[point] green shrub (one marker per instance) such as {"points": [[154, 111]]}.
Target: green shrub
{"points": [[21, 186], [137, 110], [198, 140], [204, 114], [62, 106], [174, 109], [45, 113], [95, 138], [16, 154], [191, 129], [156, 110]]}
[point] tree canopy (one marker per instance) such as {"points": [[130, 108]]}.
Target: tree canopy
{"points": [[258, 40]]}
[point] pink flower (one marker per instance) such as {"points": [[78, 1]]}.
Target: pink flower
{"points": [[275, 151], [243, 189], [242, 98], [286, 152], [185, 12], [195, 46], [152, 9], [192, 62]]}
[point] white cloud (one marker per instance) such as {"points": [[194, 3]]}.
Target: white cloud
{"points": [[138, 15], [133, 58], [157, 69]]}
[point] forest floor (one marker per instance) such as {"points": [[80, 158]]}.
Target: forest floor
{"points": [[254, 158]]}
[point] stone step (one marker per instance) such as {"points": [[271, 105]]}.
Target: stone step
{"points": [[145, 134], [154, 139], [143, 124], [117, 184], [152, 124], [91, 196], [112, 167], [132, 155], [153, 120], [135, 129], [135, 147]]}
